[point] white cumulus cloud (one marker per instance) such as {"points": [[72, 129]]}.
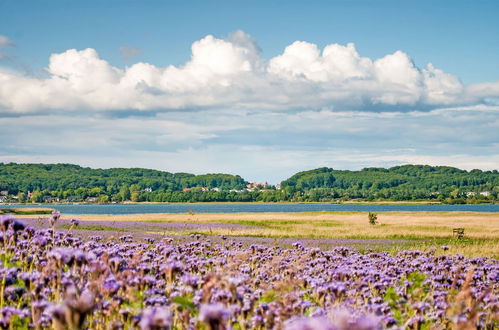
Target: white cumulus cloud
{"points": [[231, 73], [337, 63]]}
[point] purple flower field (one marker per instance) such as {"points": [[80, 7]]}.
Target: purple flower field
{"points": [[143, 229], [54, 279], [144, 225]]}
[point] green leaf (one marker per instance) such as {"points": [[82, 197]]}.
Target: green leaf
{"points": [[185, 302]]}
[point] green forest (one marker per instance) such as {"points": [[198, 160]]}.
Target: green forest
{"points": [[45, 183], [399, 183]]}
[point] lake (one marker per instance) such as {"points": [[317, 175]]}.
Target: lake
{"points": [[242, 207]]}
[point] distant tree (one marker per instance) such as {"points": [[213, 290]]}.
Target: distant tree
{"points": [[82, 192], [94, 192], [21, 197], [373, 218], [103, 199], [135, 196], [37, 196], [124, 193]]}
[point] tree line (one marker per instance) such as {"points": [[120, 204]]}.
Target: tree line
{"points": [[399, 183], [73, 183]]}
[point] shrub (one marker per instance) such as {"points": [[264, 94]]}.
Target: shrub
{"points": [[373, 218]]}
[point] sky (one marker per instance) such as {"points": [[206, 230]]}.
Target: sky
{"points": [[262, 89]]}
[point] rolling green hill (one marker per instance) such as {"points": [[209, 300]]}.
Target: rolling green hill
{"points": [[66, 182], [408, 182]]}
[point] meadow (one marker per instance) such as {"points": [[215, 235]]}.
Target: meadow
{"points": [[421, 230], [249, 271]]}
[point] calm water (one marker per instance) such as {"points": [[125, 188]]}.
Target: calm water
{"points": [[234, 208]]}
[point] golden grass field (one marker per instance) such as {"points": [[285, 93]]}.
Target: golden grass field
{"points": [[423, 229]]}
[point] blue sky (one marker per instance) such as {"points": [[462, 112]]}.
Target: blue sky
{"points": [[457, 36], [257, 88]]}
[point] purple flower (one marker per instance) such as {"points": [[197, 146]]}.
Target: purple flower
{"points": [[7, 219], [255, 284], [63, 256], [111, 287], [18, 226], [77, 307], [155, 318], [310, 323], [214, 315], [344, 319], [55, 216], [190, 279], [58, 314], [416, 321], [39, 240], [96, 238], [421, 306]]}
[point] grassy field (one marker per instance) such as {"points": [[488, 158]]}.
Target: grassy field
{"points": [[26, 210], [422, 230]]}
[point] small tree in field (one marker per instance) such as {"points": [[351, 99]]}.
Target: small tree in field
{"points": [[373, 218]]}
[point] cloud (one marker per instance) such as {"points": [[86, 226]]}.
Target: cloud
{"points": [[83, 71], [231, 73], [262, 145], [484, 90], [303, 60], [442, 88], [4, 43], [227, 109]]}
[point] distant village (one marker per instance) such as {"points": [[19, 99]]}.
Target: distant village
{"points": [[5, 197], [253, 186]]}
